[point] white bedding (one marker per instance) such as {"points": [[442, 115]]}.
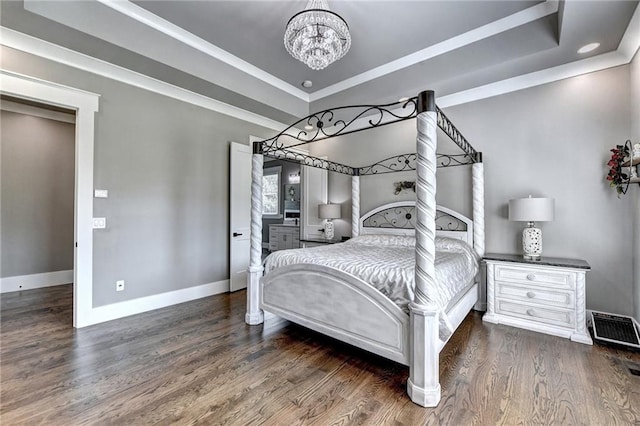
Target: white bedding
{"points": [[387, 262]]}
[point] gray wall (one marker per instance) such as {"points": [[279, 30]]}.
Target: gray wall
{"points": [[287, 168], [165, 164], [551, 140], [635, 190], [37, 190], [370, 146]]}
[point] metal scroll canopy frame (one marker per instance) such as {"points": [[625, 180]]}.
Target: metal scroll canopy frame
{"points": [[423, 342], [356, 118]]}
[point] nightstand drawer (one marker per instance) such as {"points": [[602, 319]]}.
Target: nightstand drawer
{"points": [[559, 317], [533, 275], [539, 295]]}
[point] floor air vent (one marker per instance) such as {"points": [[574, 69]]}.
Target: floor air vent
{"points": [[617, 329]]}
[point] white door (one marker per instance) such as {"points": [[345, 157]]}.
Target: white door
{"points": [[239, 214]]}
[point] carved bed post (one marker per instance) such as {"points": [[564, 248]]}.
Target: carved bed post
{"points": [[254, 314], [477, 173], [423, 385], [355, 205]]}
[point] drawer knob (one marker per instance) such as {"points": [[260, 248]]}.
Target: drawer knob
{"points": [[531, 312], [531, 294], [531, 277]]}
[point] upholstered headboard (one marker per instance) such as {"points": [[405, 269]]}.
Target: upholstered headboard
{"points": [[400, 218]]}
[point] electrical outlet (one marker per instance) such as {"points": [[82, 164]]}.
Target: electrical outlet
{"points": [[99, 222], [120, 285]]}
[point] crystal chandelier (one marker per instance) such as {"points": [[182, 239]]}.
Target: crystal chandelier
{"points": [[317, 36]]}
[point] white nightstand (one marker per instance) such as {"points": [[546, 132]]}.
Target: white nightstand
{"points": [[546, 295]]}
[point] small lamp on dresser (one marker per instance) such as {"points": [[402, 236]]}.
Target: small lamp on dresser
{"points": [[531, 210], [329, 212]]}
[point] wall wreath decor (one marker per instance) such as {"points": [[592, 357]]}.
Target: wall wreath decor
{"points": [[401, 186]]}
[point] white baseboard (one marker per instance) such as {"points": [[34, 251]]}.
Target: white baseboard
{"points": [[29, 282], [149, 303]]}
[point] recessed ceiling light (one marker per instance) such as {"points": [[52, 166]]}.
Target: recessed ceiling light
{"points": [[588, 47], [308, 127], [307, 83], [403, 99]]}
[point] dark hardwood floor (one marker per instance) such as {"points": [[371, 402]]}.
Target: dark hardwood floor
{"points": [[199, 363]]}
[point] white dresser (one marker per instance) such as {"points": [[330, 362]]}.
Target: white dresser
{"points": [[546, 295], [283, 237]]}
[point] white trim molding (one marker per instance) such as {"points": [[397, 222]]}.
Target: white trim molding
{"points": [[154, 21], [627, 48], [62, 55], [489, 30], [144, 304], [86, 105], [31, 281], [630, 42], [538, 78]]}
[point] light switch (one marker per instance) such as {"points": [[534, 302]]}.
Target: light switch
{"points": [[99, 222], [101, 193]]}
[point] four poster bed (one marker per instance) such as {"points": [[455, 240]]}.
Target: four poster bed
{"points": [[384, 290]]}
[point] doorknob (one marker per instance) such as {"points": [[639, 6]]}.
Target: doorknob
{"points": [[236, 234]]}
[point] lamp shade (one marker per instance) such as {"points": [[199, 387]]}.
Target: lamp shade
{"points": [[531, 209], [329, 211]]}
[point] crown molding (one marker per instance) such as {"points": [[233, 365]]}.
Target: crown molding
{"points": [[630, 42], [149, 19], [538, 78], [489, 30], [627, 48], [26, 43]]}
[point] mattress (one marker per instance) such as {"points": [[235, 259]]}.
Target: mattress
{"points": [[387, 262]]}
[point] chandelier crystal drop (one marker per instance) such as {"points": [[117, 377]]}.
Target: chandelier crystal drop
{"points": [[317, 36]]}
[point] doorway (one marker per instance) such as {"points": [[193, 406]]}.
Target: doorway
{"points": [[85, 105], [298, 192], [38, 167], [280, 205]]}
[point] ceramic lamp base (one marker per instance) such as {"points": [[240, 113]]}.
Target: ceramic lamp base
{"points": [[532, 242], [328, 230]]}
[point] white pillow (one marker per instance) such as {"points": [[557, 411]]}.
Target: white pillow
{"points": [[384, 240]]}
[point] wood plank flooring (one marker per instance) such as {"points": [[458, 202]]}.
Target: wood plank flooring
{"points": [[198, 363]]}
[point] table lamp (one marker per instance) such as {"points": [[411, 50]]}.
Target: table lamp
{"points": [[329, 212], [531, 210]]}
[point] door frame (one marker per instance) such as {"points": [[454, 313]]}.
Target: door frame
{"points": [[232, 193], [85, 104]]}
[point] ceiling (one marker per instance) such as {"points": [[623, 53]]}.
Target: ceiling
{"points": [[233, 50]]}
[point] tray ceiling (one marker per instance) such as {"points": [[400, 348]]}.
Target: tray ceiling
{"points": [[234, 49]]}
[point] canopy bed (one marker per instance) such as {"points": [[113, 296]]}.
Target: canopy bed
{"points": [[329, 290]]}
